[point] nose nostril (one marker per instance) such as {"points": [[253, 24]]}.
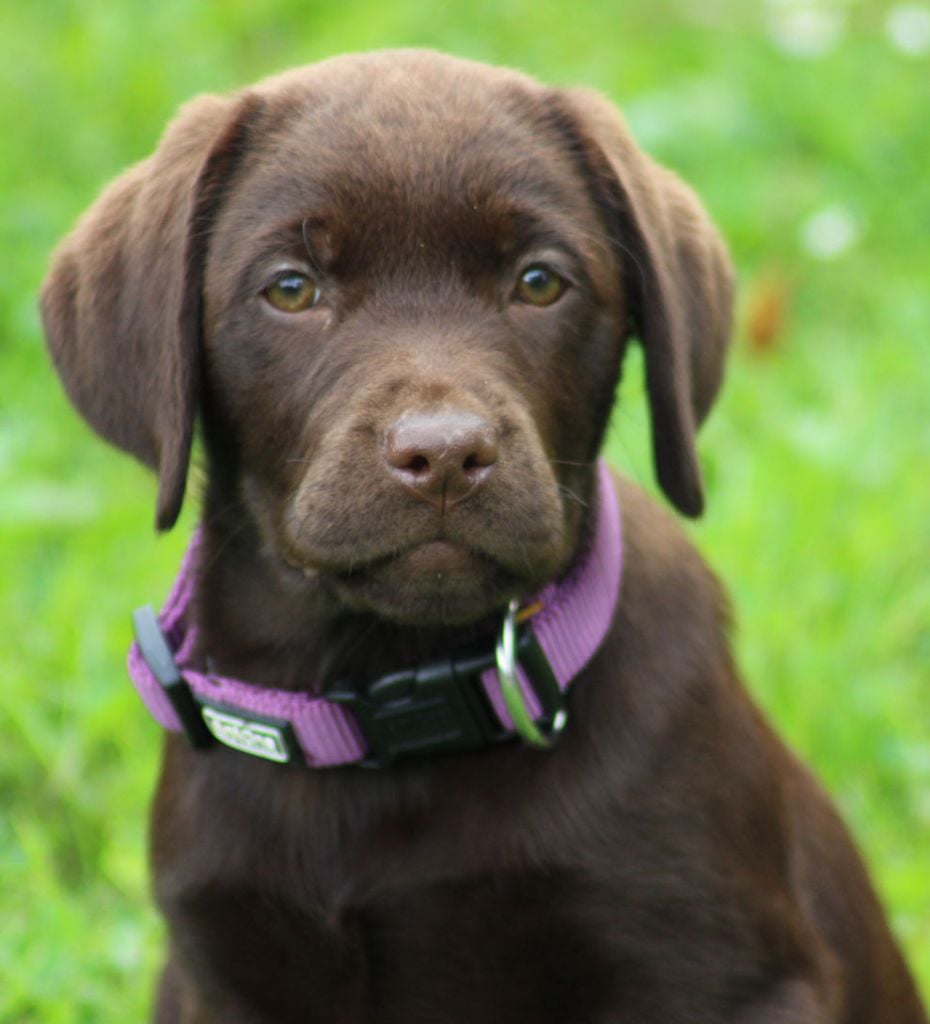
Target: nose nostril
{"points": [[441, 457], [479, 460], [482, 455]]}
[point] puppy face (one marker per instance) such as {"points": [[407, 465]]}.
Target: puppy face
{"points": [[394, 273], [397, 289]]}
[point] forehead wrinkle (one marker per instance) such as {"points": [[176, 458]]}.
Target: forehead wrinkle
{"points": [[495, 206]]}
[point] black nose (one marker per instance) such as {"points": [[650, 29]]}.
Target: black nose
{"points": [[441, 457]]}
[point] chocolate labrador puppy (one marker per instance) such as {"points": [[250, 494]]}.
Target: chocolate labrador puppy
{"points": [[454, 733]]}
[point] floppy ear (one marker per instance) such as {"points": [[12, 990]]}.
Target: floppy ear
{"points": [[121, 303], [678, 281]]}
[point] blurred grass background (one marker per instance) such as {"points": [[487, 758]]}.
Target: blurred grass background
{"points": [[804, 127]]}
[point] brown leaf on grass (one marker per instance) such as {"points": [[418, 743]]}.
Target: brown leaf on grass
{"points": [[766, 311]]}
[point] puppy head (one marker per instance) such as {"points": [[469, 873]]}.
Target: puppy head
{"points": [[397, 288]]}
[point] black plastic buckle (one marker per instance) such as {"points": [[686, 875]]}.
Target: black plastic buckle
{"points": [[441, 706], [159, 657]]}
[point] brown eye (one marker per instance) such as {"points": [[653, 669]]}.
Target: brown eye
{"points": [[292, 292], [540, 285]]}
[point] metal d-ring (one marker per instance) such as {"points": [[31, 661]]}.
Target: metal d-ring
{"points": [[506, 655]]}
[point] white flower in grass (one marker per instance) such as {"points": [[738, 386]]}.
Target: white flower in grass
{"points": [[805, 28], [830, 231], [908, 28]]}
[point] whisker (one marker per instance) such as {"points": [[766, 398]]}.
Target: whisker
{"points": [[565, 462], [572, 496]]}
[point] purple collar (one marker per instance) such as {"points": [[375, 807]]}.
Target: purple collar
{"points": [[463, 702]]}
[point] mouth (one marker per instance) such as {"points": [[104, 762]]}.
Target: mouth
{"points": [[440, 557], [430, 583], [406, 565], [437, 582]]}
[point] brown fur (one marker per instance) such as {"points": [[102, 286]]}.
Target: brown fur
{"points": [[669, 861]]}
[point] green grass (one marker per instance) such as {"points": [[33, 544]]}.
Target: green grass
{"points": [[817, 457]]}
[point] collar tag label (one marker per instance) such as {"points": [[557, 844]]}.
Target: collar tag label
{"points": [[258, 739]]}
